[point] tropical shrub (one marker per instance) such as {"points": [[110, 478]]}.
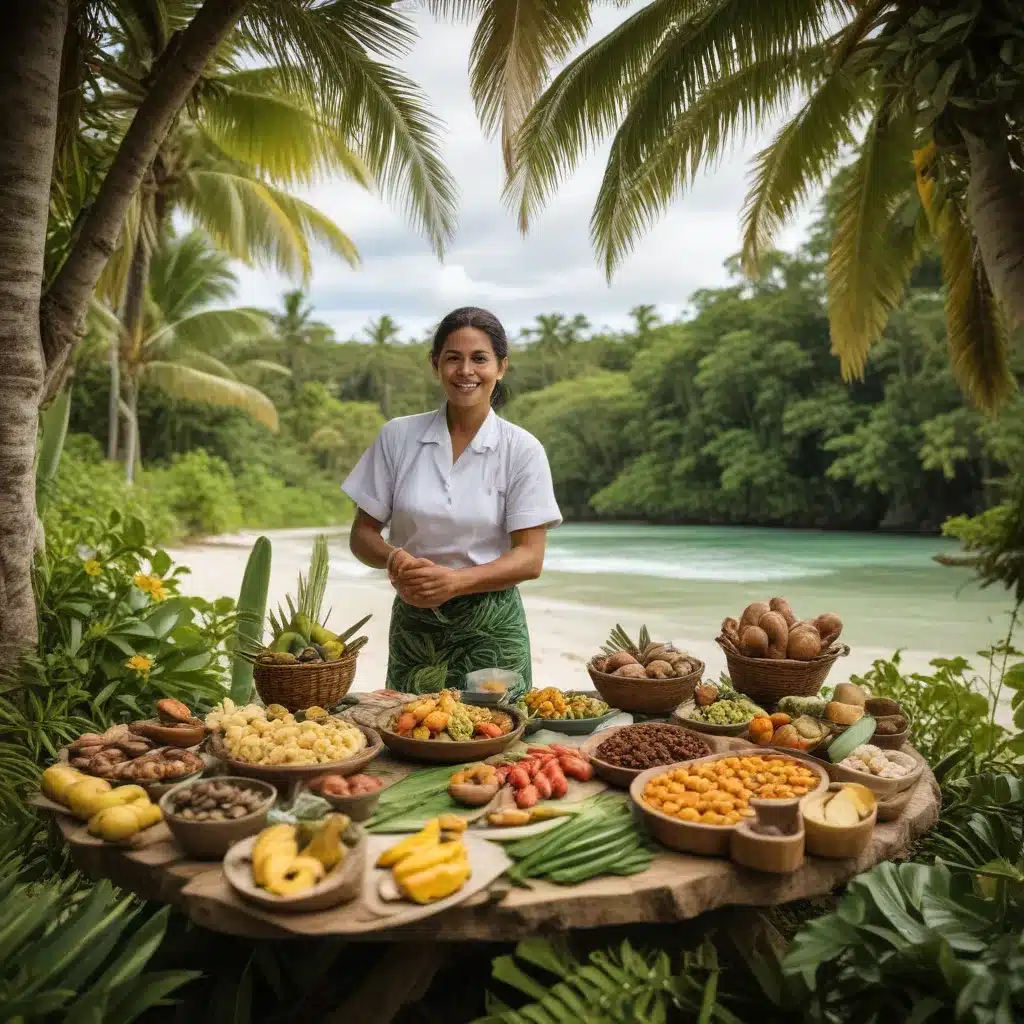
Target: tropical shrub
{"points": [[78, 956]]}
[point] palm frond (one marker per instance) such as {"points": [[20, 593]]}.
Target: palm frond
{"points": [[867, 274], [582, 106], [631, 198], [324, 53], [801, 156], [276, 135], [186, 274], [206, 330], [258, 366], [317, 226], [204, 361], [976, 332], [515, 45], [189, 384], [244, 219]]}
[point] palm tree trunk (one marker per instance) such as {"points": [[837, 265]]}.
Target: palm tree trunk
{"points": [[996, 201], [132, 315], [30, 64], [131, 446], [113, 405]]}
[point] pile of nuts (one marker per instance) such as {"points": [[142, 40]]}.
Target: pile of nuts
{"points": [[645, 746], [215, 801]]}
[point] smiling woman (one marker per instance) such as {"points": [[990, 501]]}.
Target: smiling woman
{"points": [[468, 498]]}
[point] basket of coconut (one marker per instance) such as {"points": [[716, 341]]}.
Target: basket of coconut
{"points": [[647, 677], [772, 654]]}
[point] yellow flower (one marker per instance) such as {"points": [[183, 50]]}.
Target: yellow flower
{"points": [[151, 584], [139, 663], [92, 567]]}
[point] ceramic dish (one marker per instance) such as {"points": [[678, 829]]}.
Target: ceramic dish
{"points": [[775, 855], [694, 837], [572, 726], [341, 886], [449, 751], [681, 717], [882, 787], [613, 774], [210, 840], [834, 841], [294, 773], [358, 808]]}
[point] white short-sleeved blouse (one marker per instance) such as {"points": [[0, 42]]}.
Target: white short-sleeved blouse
{"points": [[456, 515]]}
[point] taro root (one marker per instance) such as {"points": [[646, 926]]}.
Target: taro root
{"points": [[619, 660], [882, 707], [753, 614], [781, 605], [803, 644], [754, 642], [659, 670], [777, 629], [631, 671]]}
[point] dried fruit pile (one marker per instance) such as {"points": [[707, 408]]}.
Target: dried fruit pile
{"points": [[445, 717], [719, 792], [651, 744], [644, 659], [771, 630]]}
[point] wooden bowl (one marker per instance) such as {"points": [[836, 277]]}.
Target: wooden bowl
{"points": [[882, 787], [292, 773], [340, 886], [833, 841], [613, 774], [449, 752], [358, 808], [210, 840], [645, 696], [890, 741], [183, 736], [694, 837], [776, 855], [572, 726], [681, 713]]}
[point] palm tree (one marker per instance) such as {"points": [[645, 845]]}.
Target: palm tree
{"points": [[926, 92], [295, 333], [186, 346], [382, 331], [245, 134]]}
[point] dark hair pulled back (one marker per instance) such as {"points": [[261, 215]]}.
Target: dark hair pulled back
{"points": [[482, 320]]}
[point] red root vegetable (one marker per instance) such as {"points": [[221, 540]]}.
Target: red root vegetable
{"points": [[518, 778], [488, 730], [543, 785], [559, 786], [577, 768], [551, 769], [527, 797], [563, 751]]}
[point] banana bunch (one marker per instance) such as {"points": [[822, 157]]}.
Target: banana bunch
{"points": [[288, 859]]}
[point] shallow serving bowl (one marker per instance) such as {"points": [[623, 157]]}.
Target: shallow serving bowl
{"points": [[294, 773], [614, 774], [695, 837], [210, 840], [449, 751], [681, 717]]}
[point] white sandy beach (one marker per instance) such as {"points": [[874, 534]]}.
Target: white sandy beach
{"points": [[564, 635]]}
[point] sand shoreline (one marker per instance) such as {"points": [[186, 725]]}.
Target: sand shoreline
{"points": [[564, 633]]}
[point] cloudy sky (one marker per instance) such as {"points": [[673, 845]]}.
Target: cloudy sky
{"points": [[490, 263]]}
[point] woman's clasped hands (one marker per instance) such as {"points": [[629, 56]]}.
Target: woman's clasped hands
{"points": [[420, 582]]}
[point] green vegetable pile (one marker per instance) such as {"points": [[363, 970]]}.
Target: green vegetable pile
{"points": [[408, 805], [730, 711], [602, 839]]}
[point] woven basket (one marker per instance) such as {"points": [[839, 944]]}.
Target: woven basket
{"points": [[645, 696], [768, 680], [301, 686]]}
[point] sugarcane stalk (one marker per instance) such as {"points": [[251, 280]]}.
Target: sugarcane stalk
{"points": [[252, 608]]}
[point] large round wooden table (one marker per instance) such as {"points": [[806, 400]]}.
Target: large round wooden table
{"points": [[675, 888]]}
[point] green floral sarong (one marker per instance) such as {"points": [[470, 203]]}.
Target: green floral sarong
{"points": [[430, 649]]}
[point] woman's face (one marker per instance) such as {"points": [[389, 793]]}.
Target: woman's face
{"points": [[468, 369]]}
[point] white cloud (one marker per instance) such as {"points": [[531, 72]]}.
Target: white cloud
{"points": [[553, 269]]}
